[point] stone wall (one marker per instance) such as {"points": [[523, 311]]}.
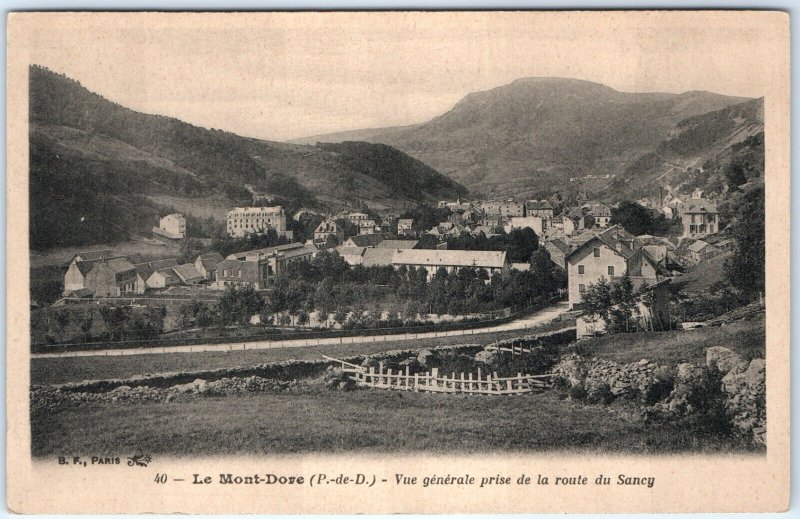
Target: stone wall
{"points": [[681, 393]]}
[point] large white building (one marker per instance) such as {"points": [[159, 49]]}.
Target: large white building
{"points": [[493, 262], [257, 220]]}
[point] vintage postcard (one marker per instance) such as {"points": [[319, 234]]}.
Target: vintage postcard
{"points": [[398, 262]]}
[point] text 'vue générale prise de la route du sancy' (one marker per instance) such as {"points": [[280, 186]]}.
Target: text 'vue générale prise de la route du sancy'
{"points": [[424, 481]]}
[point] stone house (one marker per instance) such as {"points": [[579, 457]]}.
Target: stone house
{"points": [[610, 254], [405, 227], [206, 264], [701, 251], [329, 227], [173, 226], [700, 218], [111, 278], [259, 268]]}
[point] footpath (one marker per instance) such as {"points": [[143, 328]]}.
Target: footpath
{"points": [[530, 321]]}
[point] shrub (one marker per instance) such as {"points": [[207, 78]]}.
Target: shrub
{"points": [[601, 394], [578, 392]]}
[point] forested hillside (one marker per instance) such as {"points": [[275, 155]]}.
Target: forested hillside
{"points": [[97, 168]]}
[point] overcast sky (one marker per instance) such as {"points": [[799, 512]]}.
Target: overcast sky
{"points": [[286, 76]]}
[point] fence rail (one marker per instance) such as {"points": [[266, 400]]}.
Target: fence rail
{"points": [[432, 382]]}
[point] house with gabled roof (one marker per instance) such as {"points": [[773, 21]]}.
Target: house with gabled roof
{"points": [[700, 251], [206, 264], [364, 240], [610, 254], [405, 227], [113, 277], [92, 255], [700, 218], [188, 274]]}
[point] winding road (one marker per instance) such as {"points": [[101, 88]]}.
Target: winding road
{"points": [[535, 319]]}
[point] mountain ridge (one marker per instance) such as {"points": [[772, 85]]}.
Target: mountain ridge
{"points": [[542, 131]]}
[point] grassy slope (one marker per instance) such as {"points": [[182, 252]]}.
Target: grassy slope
{"points": [[74, 369], [703, 275], [366, 421], [745, 338]]}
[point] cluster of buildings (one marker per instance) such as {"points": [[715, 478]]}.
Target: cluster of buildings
{"points": [[100, 273]]}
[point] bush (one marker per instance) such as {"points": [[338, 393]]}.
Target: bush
{"points": [[578, 392], [601, 394]]}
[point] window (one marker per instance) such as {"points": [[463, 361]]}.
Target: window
{"points": [[581, 288], [611, 270], [581, 270], [224, 272], [597, 252]]}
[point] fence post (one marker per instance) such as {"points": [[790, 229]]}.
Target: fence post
{"points": [[416, 382]]}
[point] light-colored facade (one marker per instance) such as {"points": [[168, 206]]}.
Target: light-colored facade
{"points": [[173, 224], [404, 227], [535, 223], [610, 254], [700, 218], [242, 221], [503, 208], [326, 228], [493, 262]]}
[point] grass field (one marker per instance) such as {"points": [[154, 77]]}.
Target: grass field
{"points": [[746, 338], [365, 421], [74, 369]]}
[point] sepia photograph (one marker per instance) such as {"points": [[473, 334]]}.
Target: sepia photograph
{"points": [[371, 234]]}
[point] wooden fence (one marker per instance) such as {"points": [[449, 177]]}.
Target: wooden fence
{"points": [[434, 382]]}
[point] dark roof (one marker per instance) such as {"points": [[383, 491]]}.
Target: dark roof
{"points": [[119, 265], [93, 254], [616, 238], [187, 272], [699, 205], [81, 292], [144, 271], [85, 266], [539, 204], [210, 260], [367, 240], [397, 244], [559, 244]]}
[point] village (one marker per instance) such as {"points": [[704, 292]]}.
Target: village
{"points": [[580, 237]]}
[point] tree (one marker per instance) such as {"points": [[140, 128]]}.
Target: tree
{"points": [[637, 219], [615, 303], [302, 318], [735, 174], [86, 327], [237, 305], [521, 244], [62, 320], [745, 269]]}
